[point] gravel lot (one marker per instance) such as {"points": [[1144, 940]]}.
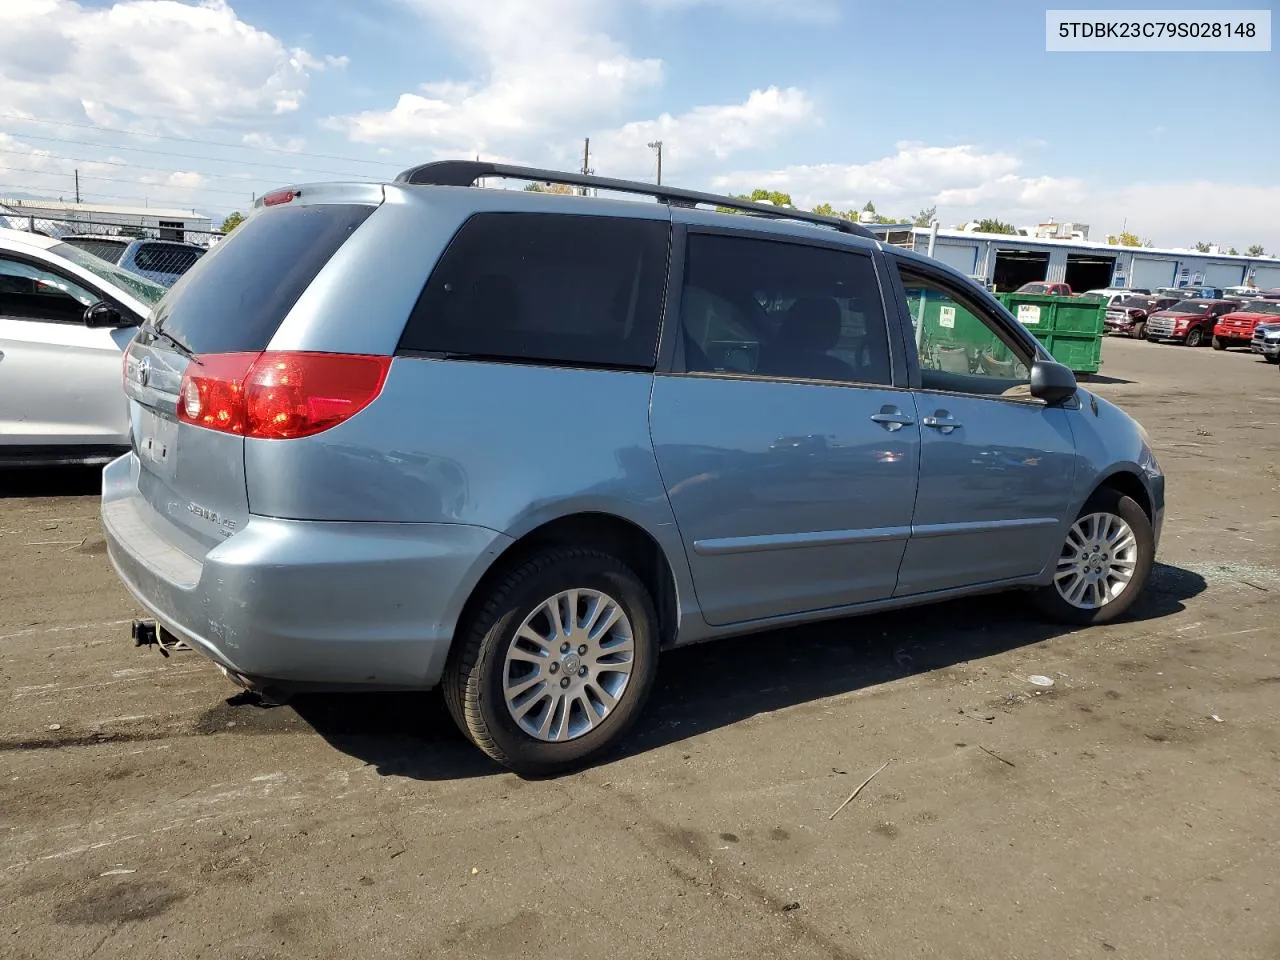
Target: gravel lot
{"points": [[1131, 809]]}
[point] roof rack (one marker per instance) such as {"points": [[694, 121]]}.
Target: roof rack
{"points": [[464, 173]]}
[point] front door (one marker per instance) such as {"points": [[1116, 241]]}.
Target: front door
{"points": [[59, 380], [789, 456], [997, 467]]}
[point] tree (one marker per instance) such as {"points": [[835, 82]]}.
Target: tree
{"points": [[1125, 239], [869, 208], [992, 225], [560, 188], [827, 210], [1201, 247], [760, 195], [925, 217], [1256, 250], [1232, 252], [232, 221]]}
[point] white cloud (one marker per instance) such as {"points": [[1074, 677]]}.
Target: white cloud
{"points": [[714, 132], [290, 144], [546, 68], [966, 182], [1178, 213], [160, 60]]}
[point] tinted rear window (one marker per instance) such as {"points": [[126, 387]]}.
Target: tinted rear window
{"points": [[108, 250], [546, 288], [165, 258], [236, 296]]}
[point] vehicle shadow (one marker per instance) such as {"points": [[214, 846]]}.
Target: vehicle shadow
{"points": [[50, 482], [1098, 378], [713, 685]]}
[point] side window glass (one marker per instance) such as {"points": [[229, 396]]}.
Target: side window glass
{"points": [[30, 293], [782, 310], [961, 348], [546, 288]]}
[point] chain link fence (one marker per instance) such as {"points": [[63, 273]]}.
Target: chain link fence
{"points": [[159, 249]]}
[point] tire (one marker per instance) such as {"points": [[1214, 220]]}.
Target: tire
{"points": [[1272, 359], [1195, 337], [477, 670], [1218, 344], [1114, 505], [1138, 331]]}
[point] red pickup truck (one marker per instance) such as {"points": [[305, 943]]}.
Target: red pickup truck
{"points": [[1046, 289], [1235, 329]]}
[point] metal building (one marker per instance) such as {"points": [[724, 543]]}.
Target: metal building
{"points": [[1007, 261], [59, 218]]}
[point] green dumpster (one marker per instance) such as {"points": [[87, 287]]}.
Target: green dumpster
{"points": [[1070, 327]]}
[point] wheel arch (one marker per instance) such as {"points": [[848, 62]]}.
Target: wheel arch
{"points": [[609, 532], [1127, 482]]}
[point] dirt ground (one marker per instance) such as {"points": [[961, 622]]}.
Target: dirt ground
{"points": [[1131, 809]]}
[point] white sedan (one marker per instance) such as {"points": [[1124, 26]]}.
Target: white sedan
{"points": [[66, 317]]}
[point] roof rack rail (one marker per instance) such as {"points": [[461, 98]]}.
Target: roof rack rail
{"points": [[464, 173]]}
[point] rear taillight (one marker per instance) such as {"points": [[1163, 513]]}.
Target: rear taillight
{"points": [[278, 395]]}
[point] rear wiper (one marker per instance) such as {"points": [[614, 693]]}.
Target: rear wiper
{"points": [[177, 344]]}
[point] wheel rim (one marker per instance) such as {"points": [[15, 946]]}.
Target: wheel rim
{"points": [[569, 665], [1098, 561], [1193, 338]]}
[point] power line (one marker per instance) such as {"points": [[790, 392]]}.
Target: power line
{"points": [[211, 143], [136, 166], [138, 183], [25, 188], [183, 156]]}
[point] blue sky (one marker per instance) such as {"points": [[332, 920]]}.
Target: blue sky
{"points": [[909, 104]]}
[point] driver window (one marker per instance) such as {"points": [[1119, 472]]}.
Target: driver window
{"points": [[961, 348], [30, 293]]}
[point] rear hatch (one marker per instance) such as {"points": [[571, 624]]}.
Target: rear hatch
{"points": [[219, 316]]}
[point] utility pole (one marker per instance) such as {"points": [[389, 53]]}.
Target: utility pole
{"points": [[586, 162], [77, 185], [657, 146]]}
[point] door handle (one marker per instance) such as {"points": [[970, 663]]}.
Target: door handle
{"points": [[892, 419], [941, 422]]}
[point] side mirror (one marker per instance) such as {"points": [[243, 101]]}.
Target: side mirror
{"points": [[102, 315], [1052, 382]]}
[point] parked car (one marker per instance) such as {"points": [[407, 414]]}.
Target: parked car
{"points": [[161, 261], [1235, 329], [1046, 289], [1192, 292], [1266, 341], [424, 497], [1188, 321], [1129, 316], [65, 318], [1113, 295]]}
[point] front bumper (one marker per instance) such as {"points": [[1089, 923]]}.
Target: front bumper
{"points": [[342, 605], [1267, 348]]}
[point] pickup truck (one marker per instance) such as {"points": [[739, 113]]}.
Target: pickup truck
{"points": [[1129, 316], [1235, 329], [1046, 289], [1188, 321]]}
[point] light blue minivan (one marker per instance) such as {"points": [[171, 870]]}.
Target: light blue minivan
{"points": [[516, 444]]}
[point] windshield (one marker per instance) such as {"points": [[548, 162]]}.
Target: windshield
{"points": [[1140, 303], [1262, 306], [1033, 288], [108, 250], [140, 287], [1190, 306]]}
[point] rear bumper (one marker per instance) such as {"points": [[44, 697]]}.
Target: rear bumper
{"points": [[292, 601]]}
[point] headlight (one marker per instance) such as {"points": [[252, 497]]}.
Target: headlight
{"points": [[1148, 462]]}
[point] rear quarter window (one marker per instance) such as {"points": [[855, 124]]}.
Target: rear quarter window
{"points": [[236, 296], [165, 258], [546, 288]]}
